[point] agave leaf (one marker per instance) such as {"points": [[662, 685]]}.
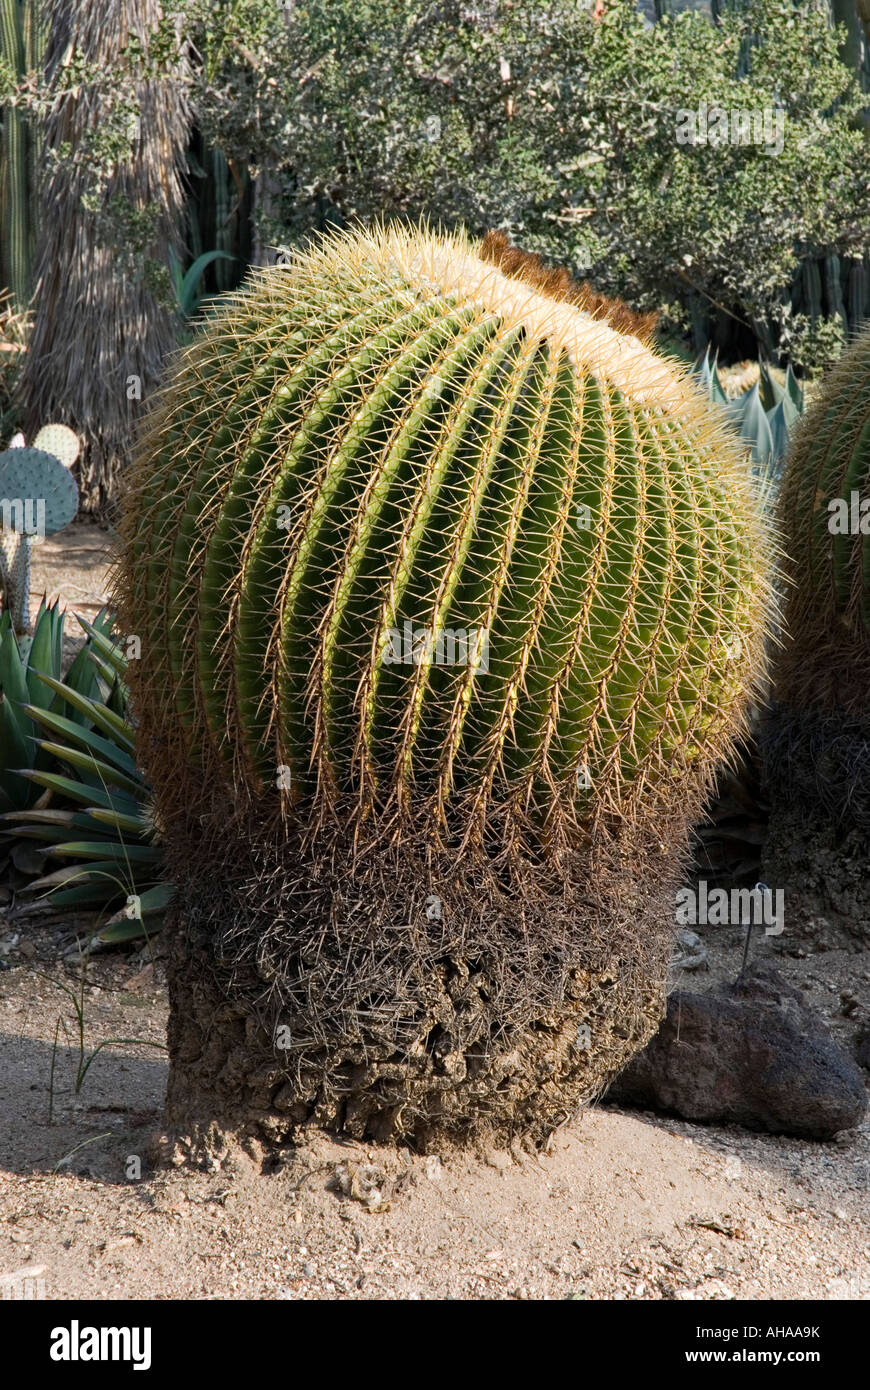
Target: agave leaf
{"points": [[97, 870], [42, 657], [15, 791], [114, 691], [117, 821], [81, 792], [118, 699], [793, 390], [73, 819], [95, 895], [780, 430], [93, 767], [188, 299], [109, 650], [769, 388], [754, 427], [106, 720], [81, 675], [120, 930], [113, 849], [45, 834], [156, 899], [717, 390], [16, 729], [82, 678], [83, 738], [791, 412], [710, 379], [13, 682], [151, 902], [57, 626]]}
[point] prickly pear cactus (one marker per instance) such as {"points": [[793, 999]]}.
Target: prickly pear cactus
{"points": [[60, 441], [38, 496], [442, 574]]}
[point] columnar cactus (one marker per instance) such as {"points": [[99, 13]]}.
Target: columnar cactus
{"points": [[819, 730], [21, 45], [435, 568]]}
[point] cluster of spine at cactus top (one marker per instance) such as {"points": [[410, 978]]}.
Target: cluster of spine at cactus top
{"points": [[406, 527]]}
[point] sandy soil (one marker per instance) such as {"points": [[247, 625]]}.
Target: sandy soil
{"points": [[71, 565], [623, 1206]]}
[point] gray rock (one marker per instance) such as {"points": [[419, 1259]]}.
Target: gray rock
{"points": [[690, 952], [754, 1054]]}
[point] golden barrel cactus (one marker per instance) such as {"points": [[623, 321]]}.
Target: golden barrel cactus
{"points": [[451, 593]]}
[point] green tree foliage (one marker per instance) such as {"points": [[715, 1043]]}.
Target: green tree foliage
{"points": [[560, 128]]}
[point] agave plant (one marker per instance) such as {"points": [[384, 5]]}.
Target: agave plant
{"points": [[23, 663], [451, 593], [764, 415], [185, 284], [92, 803]]}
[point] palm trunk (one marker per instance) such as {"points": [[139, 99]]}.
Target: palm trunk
{"points": [[101, 330]]}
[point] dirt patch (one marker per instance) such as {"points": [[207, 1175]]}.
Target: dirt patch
{"points": [[72, 566], [623, 1205]]}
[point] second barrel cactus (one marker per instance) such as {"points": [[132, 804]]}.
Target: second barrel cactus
{"points": [[450, 597], [818, 734]]}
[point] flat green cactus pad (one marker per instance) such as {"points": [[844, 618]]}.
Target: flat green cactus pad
{"points": [[37, 493], [59, 440]]}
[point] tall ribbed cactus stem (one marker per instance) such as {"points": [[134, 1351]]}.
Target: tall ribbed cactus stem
{"points": [[817, 739], [450, 597], [16, 249]]}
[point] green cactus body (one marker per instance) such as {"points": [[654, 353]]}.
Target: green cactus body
{"points": [[827, 661], [16, 199], [815, 738], [22, 41], [424, 535]]}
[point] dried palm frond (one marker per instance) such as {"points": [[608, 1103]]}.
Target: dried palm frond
{"points": [[101, 330]]}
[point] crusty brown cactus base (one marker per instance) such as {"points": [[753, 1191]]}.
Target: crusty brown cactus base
{"points": [[392, 1014]]}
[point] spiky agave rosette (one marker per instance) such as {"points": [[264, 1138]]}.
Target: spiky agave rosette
{"points": [[817, 736], [451, 595]]}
